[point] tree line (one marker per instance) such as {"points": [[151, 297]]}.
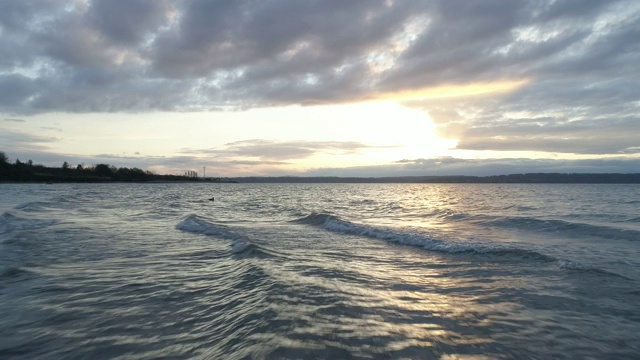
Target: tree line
{"points": [[29, 172], [19, 171]]}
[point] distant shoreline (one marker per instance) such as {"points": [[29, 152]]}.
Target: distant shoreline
{"points": [[20, 172], [109, 181], [529, 178]]}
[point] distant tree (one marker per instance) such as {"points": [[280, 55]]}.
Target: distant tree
{"points": [[138, 174], [30, 163], [65, 166], [103, 170], [134, 174], [79, 167], [4, 160]]}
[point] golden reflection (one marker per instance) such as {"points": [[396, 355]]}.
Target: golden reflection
{"points": [[423, 307]]}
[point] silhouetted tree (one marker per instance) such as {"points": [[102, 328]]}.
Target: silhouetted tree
{"points": [[4, 160], [103, 170], [29, 172]]}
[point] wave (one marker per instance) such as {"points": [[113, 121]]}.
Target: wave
{"points": [[519, 208], [450, 215], [315, 219], [10, 223], [569, 228], [571, 265], [199, 225], [409, 237], [36, 206], [13, 272], [427, 242]]}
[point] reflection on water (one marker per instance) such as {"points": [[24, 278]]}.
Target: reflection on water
{"points": [[148, 271]]}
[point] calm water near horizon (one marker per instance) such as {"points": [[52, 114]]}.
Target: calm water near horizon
{"points": [[319, 271]]}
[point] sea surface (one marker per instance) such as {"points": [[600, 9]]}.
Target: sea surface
{"points": [[319, 271]]}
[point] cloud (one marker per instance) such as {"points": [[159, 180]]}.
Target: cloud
{"points": [[51, 128], [234, 167], [278, 152], [14, 141], [579, 59], [215, 166], [247, 54], [128, 22], [242, 158], [444, 166], [16, 120]]}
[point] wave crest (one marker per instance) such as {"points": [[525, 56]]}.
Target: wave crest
{"points": [[570, 228], [316, 219], [427, 242], [574, 266], [11, 224], [13, 272], [414, 238], [199, 225]]}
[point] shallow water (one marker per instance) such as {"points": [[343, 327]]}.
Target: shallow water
{"points": [[319, 271]]}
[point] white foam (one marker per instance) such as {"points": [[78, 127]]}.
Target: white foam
{"points": [[400, 237], [416, 238]]}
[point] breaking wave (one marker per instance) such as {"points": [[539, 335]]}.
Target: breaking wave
{"points": [[317, 219], [430, 243], [199, 225], [415, 238]]}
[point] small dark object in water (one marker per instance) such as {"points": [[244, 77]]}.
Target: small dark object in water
{"points": [[212, 199]]}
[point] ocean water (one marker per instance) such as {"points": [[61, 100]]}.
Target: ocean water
{"points": [[319, 271]]}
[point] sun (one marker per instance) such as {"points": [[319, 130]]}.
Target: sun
{"points": [[391, 131], [408, 133]]}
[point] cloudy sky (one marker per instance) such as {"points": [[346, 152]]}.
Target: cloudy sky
{"points": [[297, 87]]}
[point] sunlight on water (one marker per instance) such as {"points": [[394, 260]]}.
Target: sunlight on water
{"points": [[322, 271]]}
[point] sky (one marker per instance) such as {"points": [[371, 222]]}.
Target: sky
{"points": [[323, 88]]}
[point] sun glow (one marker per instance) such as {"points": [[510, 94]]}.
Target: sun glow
{"points": [[392, 131], [368, 133], [447, 91]]}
